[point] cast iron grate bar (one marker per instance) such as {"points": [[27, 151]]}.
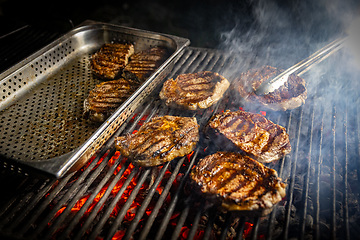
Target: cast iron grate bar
{"points": [[131, 198], [42, 226], [98, 188], [307, 175], [146, 202], [197, 218], [345, 167], [292, 177], [149, 224], [317, 179], [332, 174], [96, 209]]}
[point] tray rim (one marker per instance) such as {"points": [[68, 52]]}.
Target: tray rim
{"points": [[58, 166]]}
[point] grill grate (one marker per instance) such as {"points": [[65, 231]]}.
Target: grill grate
{"points": [[110, 198]]}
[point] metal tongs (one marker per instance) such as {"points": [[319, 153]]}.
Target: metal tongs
{"points": [[300, 68]]}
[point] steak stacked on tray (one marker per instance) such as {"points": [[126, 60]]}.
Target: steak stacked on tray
{"points": [[124, 72], [111, 59], [106, 97], [145, 62]]}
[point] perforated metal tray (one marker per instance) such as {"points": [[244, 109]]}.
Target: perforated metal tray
{"points": [[41, 99]]}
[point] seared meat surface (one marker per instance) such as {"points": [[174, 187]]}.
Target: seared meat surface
{"points": [[160, 140], [252, 133], [239, 182], [194, 90], [144, 63], [106, 97], [110, 60], [289, 96]]}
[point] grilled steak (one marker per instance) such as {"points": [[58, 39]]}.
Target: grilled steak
{"points": [[106, 97], [110, 60], [252, 133], [160, 140], [194, 90], [144, 63], [289, 96], [238, 182]]}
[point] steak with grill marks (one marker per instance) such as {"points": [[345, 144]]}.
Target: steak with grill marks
{"points": [[289, 96], [252, 133], [238, 182], [194, 90], [144, 63], [106, 97], [109, 62], [160, 140]]}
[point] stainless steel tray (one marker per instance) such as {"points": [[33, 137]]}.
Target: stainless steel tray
{"points": [[41, 99]]}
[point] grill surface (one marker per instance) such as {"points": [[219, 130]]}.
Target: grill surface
{"points": [[110, 198]]}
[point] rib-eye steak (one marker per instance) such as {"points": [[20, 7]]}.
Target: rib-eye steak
{"points": [[194, 90], [109, 62], [252, 133], [289, 96], [103, 100], [160, 140], [238, 182], [142, 64]]}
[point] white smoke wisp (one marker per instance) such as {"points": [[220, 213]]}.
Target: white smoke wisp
{"points": [[283, 33], [353, 44]]}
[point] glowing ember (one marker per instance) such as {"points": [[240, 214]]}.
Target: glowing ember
{"points": [[131, 212], [119, 235], [247, 230], [184, 233]]}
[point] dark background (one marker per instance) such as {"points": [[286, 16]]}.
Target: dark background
{"points": [[200, 21], [261, 24]]}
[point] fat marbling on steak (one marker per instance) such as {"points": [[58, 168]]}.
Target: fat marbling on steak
{"points": [[106, 97], [252, 133], [194, 90], [289, 96], [160, 140], [238, 182], [109, 62]]}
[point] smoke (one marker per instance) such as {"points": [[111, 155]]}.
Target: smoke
{"points": [[283, 33]]}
